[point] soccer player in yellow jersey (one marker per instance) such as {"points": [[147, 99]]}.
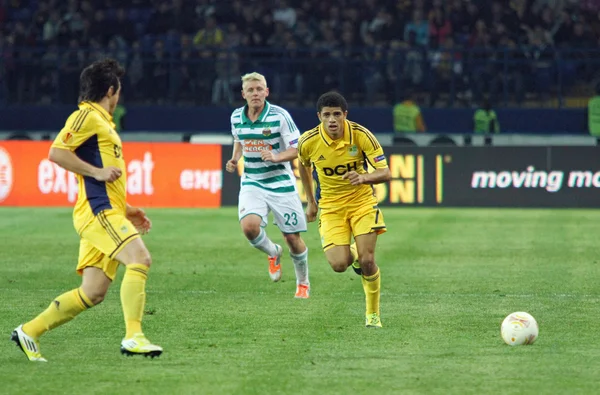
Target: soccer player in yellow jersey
{"points": [[109, 228], [339, 151]]}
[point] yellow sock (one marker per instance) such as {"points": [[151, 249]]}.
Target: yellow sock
{"points": [[62, 309], [133, 297], [371, 285]]}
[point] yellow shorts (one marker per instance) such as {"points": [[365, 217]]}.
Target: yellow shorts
{"points": [[337, 226], [102, 239]]}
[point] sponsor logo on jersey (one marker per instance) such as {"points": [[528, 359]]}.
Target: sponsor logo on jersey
{"points": [[340, 170], [67, 138], [256, 146]]}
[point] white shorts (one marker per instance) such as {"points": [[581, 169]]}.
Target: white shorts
{"points": [[288, 213]]}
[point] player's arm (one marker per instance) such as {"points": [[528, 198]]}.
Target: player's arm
{"points": [[138, 218], [79, 128], [238, 151], [305, 171], [374, 155], [68, 160], [307, 182], [231, 164], [290, 135], [378, 176], [285, 156]]}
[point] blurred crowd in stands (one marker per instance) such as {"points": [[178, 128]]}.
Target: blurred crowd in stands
{"points": [[447, 52]]}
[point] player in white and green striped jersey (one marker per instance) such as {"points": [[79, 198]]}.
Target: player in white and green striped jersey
{"points": [[267, 138]]}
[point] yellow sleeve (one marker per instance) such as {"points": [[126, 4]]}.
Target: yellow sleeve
{"points": [[368, 143], [303, 154], [80, 126]]}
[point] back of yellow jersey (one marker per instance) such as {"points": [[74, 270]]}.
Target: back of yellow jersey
{"points": [[331, 159], [90, 133]]}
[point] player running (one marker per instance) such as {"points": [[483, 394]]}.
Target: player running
{"points": [[339, 151], [267, 138], [109, 228]]}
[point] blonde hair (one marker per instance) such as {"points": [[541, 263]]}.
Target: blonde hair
{"points": [[254, 77]]}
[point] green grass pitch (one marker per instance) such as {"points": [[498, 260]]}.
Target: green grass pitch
{"points": [[449, 277]]}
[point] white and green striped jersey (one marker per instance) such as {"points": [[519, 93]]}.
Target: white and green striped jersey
{"points": [[273, 130]]}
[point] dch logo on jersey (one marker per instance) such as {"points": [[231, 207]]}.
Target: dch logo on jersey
{"points": [[340, 170], [6, 174], [353, 150], [266, 132]]}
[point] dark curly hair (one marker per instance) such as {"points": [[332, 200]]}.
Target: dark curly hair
{"points": [[332, 99], [97, 78]]}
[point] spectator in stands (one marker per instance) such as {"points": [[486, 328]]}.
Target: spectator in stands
{"points": [[204, 9], [134, 77], [420, 26], [71, 64], [182, 14], [233, 37], [285, 14], [303, 33], [277, 39], [446, 69], [540, 54], [373, 72], [96, 51], [439, 26], [122, 27], [485, 119], [228, 77], [291, 75], [184, 72], [206, 74], [158, 73], [51, 26], [161, 20], [414, 63], [98, 29], [378, 28], [209, 36], [116, 50]]}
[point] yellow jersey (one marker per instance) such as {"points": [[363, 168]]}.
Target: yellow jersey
{"points": [[90, 133], [331, 159]]}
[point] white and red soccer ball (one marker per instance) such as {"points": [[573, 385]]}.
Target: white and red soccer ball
{"points": [[519, 328]]}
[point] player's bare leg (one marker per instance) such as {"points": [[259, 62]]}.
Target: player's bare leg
{"points": [[251, 226], [137, 261], [299, 255], [95, 284], [371, 278], [339, 257]]}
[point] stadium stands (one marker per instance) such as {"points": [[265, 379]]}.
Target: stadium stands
{"points": [[450, 53]]}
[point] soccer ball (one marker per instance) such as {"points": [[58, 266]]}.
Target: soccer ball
{"points": [[519, 328]]}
